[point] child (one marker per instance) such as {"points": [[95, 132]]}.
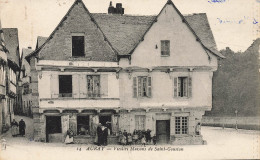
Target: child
{"points": [[3, 141], [143, 140], [130, 139], [120, 136], [135, 136], [123, 140], [154, 140]]}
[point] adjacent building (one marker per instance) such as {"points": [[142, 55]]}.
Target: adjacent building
{"points": [[8, 75], [3, 67], [25, 99], [129, 72]]}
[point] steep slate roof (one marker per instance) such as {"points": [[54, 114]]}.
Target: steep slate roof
{"points": [[103, 50], [12, 44], [40, 41], [125, 32]]}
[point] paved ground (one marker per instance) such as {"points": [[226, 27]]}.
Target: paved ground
{"points": [[222, 144]]}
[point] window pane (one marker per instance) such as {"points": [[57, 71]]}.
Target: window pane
{"points": [[165, 47], [93, 84], [140, 122]]}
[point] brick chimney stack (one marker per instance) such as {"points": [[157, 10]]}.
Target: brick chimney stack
{"points": [[118, 10]]}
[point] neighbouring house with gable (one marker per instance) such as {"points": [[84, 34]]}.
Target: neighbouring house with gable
{"points": [[129, 72]]}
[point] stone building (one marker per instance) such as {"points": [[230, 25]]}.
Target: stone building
{"points": [[130, 72], [25, 99]]}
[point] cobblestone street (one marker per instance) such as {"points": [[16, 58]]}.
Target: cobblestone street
{"points": [[241, 144]]}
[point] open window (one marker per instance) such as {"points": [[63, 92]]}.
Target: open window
{"points": [[83, 125], [78, 46], [183, 86], [65, 85], [142, 86]]}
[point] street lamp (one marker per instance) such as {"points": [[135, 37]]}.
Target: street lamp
{"points": [[236, 118]]}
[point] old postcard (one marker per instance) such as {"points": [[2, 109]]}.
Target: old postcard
{"points": [[129, 79]]}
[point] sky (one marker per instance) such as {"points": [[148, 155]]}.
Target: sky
{"points": [[234, 23]]}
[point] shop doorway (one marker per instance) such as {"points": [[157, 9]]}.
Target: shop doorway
{"points": [[163, 131], [106, 120], [53, 126]]}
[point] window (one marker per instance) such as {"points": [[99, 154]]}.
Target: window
{"points": [[142, 86], [181, 125], [83, 125], [26, 89], [182, 87], [78, 46], [65, 85], [93, 85], [2, 75], [165, 48], [140, 122]]}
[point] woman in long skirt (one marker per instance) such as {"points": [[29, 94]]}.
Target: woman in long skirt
{"points": [[69, 137], [14, 128]]}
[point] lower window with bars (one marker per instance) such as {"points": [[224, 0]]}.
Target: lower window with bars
{"points": [[181, 125]]}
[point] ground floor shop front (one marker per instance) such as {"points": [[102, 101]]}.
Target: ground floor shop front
{"points": [[169, 126]]}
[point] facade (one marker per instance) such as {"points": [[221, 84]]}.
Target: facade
{"points": [[3, 66], [25, 99], [12, 71], [130, 72]]}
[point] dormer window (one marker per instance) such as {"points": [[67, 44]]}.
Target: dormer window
{"points": [[165, 48], [78, 49]]}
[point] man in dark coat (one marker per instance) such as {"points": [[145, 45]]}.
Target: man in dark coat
{"points": [[105, 134], [99, 134], [22, 127]]}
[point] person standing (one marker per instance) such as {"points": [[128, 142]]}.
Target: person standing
{"points": [[197, 129], [105, 134], [22, 127], [14, 128], [99, 134]]}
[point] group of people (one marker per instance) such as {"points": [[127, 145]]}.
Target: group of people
{"points": [[14, 128], [102, 133], [138, 137]]}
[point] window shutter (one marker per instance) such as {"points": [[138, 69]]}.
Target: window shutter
{"points": [[104, 85], [83, 86], [134, 87], [54, 86], [139, 87], [75, 86], [175, 87], [149, 86], [190, 87]]}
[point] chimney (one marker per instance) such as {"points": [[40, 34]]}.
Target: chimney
{"points": [[111, 8], [117, 10]]}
